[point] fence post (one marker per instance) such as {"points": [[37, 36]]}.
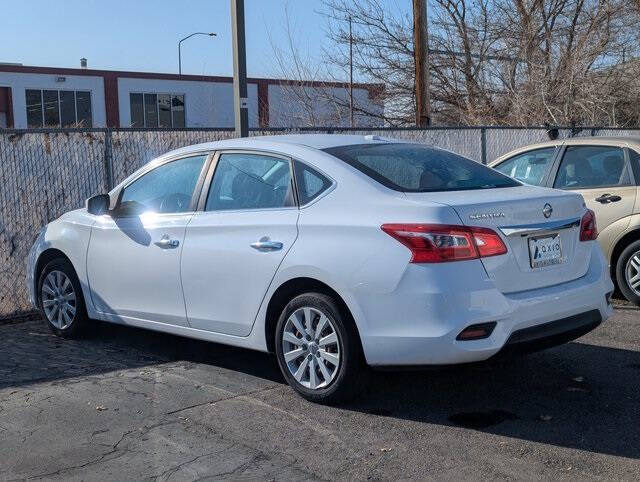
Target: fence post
{"points": [[108, 160], [483, 144]]}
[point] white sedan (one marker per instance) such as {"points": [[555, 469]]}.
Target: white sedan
{"points": [[333, 252]]}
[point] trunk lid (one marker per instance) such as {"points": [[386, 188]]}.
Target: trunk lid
{"points": [[516, 214]]}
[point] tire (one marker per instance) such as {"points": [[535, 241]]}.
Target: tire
{"points": [[60, 299], [337, 339], [626, 270]]}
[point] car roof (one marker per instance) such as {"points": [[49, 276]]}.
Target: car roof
{"points": [[572, 141], [602, 140], [314, 141], [324, 141], [596, 140], [289, 144]]}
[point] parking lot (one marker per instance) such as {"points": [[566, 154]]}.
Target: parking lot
{"points": [[125, 403]]}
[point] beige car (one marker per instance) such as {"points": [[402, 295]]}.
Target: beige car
{"points": [[606, 171]]}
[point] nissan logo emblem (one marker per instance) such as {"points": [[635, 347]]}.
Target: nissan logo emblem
{"points": [[547, 210]]}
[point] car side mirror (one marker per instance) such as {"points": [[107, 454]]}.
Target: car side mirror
{"points": [[98, 205]]}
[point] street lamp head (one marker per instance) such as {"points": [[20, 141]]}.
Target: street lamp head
{"points": [[210, 34]]}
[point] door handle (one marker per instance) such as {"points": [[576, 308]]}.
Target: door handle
{"points": [[608, 198], [265, 244], [167, 243]]}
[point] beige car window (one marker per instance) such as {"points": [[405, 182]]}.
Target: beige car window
{"points": [[591, 167], [530, 166]]}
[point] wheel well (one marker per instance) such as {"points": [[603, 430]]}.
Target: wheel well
{"points": [[45, 257], [620, 246], [289, 290]]}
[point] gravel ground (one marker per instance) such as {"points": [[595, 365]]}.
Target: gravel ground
{"points": [[127, 404]]}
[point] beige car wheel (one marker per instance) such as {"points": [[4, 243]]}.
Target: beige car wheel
{"points": [[628, 272]]}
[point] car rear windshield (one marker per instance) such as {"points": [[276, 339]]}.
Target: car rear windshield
{"points": [[416, 168]]}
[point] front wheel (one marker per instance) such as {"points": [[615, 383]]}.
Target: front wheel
{"points": [[628, 272], [60, 299], [318, 350]]}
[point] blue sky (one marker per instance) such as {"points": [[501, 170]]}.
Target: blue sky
{"points": [[143, 34]]}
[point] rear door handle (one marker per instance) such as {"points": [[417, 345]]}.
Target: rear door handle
{"points": [[167, 243], [608, 198], [265, 244]]}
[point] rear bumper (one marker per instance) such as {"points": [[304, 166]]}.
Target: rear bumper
{"points": [[525, 321], [550, 334]]}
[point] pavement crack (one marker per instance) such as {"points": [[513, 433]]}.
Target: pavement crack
{"points": [[224, 399], [114, 450], [172, 470]]}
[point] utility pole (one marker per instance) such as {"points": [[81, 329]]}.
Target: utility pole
{"points": [[350, 72], [421, 60], [240, 102]]}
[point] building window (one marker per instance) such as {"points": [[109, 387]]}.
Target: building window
{"points": [[150, 110], [157, 110], [58, 108], [137, 110], [83, 109], [177, 110], [164, 110], [34, 108]]}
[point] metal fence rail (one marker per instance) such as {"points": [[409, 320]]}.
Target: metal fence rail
{"points": [[46, 172]]}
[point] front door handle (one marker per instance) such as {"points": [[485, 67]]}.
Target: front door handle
{"points": [[265, 244], [608, 198], [167, 243]]}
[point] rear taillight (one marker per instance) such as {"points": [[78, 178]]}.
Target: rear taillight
{"points": [[588, 227], [437, 243], [488, 242]]}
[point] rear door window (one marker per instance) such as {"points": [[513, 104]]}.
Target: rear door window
{"points": [[250, 181], [529, 167], [584, 167], [417, 168]]}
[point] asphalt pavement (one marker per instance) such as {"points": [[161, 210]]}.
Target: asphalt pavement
{"points": [[129, 404]]}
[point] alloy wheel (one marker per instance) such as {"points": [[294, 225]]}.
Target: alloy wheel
{"points": [[58, 299], [311, 348], [632, 273]]}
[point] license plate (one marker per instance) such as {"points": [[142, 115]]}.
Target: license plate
{"points": [[545, 251]]}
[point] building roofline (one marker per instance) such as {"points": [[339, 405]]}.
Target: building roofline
{"points": [[32, 69]]}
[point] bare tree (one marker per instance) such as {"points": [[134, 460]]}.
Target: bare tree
{"points": [[315, 95], [295, 66], [382, 51], [569, 64], [499, 61]]}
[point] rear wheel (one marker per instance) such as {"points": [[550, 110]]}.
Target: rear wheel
{"points": [[60, 298], [628, 272], [318, 350]]}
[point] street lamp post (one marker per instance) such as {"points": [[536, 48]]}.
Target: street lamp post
{"points": [[180, 45]]}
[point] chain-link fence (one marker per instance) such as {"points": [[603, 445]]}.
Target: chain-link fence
{"points": [[44, 173]]}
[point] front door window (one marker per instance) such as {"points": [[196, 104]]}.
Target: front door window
{"points": [[529, 167], [166, 189]]}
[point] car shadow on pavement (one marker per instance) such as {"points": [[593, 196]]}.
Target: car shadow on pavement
{"points": [[32, 354], [577, 395]]}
